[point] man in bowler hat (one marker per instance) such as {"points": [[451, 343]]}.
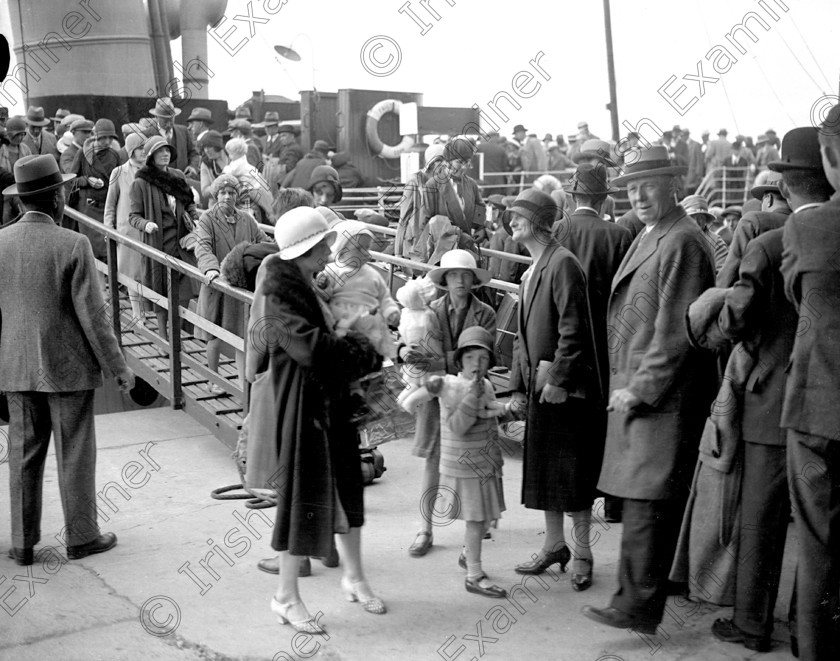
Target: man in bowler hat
{"points": [[55, 342]]}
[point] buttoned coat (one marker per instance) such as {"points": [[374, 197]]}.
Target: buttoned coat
{"points": [[55, 335], [651, 451], [810, 268]]}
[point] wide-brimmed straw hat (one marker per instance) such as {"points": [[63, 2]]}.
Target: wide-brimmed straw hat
{"points": [[458, 259], [300, 229], [36, 174], [474, 337], [800, 150], [651, 162]]}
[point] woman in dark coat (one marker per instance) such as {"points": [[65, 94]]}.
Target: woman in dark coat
{"points": [[555, 379], [163, 207], [300, 370]]}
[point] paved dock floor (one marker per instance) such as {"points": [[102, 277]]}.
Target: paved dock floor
{"points": [[155, 471]]}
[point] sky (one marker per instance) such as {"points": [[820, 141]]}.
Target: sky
{"points": [[472, 50]]}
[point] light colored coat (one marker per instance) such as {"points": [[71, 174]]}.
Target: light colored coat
{"points": [[117, 209], [55, 331]]}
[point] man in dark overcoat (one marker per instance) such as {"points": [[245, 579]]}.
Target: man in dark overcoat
{"points": [[600, 246], [757, 313], [660, 389], [55, 342], [810, 411]]}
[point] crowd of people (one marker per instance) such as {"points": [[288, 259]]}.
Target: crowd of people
{"points": [[678, 361]]}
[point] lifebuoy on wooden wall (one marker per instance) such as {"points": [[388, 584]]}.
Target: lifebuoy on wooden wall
{"points": [[378, 147]]}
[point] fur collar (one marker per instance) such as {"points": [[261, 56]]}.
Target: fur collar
{"points": [[170, 181], [284, 280]]}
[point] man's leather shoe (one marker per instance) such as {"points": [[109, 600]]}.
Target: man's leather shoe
{"points": [[99, 545], [613, 617], [728, 632], [23, 557], [272, 566]]}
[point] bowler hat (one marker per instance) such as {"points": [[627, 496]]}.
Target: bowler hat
{"points": [[165, 108], [287, 128], [35, 116], [36, 174], [474, 337], [518, 128], [771, 185], [696, 205], [589, 179], [60, 114], [271, 118], [300, 229], [800, 150], [458, 259], [595, 148], [200, 115], [651, 162], [537, 207], [104, 127]]}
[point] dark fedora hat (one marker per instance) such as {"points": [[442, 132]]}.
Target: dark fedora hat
{"points": [[518, 128], [287, 128], [36, 174], [800, 150], [651, 162], [589, 179], [35, 116], [199, 114], [271, 118]]}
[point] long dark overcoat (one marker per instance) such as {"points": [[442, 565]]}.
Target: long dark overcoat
{"points": [[651, 451], [298, 421], [563, 442]]}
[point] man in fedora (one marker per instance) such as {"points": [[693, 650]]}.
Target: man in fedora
{"points": [[600, 246], [37, 139], [660, 389], [718, 152], [766, 154], [199, 122], [773, 214], [186, 157], [810, 413], [757, 312], [60, 114], [596, 151], [271, 143], [55, 342], [290, 151]]}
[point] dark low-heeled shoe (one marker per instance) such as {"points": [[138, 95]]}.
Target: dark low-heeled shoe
{"points": [[581, 581], [101, 544], [539, 565], [728, 632], [272, 566], [493, 591], [422, 543], [612, 617], [23, 557]]}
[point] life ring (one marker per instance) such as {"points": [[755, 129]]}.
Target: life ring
{"points": [[378, 147]]}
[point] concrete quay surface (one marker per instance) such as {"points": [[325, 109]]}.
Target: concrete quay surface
{"points": [[182, 583]]}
